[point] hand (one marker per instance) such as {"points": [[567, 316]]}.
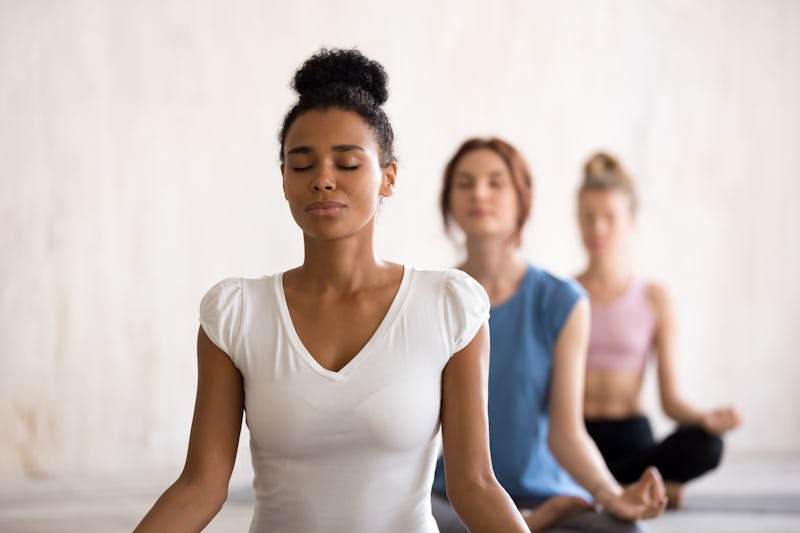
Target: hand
{"points": [[720, 420], [644, 499], [553, 510]]}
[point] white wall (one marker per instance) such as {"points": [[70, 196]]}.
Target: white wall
{"points": [[138, 161]]}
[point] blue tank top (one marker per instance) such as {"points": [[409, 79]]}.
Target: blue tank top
{"points": [[523, 331]]}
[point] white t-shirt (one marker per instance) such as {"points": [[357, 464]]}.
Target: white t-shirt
{"points": [[354, 450]]}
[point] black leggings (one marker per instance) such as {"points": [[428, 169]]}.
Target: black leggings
{"points": [[629, 448]]}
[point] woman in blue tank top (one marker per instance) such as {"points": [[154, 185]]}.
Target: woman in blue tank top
{"points": [[539, 326]]}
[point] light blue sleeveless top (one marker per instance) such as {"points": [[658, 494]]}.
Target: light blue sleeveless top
{"points": [[523, 331]]}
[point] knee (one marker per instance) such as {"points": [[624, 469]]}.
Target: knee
{"points": [[713, 452], [707, 447]]}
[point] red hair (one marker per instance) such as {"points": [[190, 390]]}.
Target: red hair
{"points": [[520, 177]]}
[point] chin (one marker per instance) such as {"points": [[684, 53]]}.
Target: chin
{"points": [[481, 229], [331, 232], [488, 234]]}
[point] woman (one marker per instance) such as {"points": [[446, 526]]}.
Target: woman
{"points": [[631, 318], [539, 329], [343, 363]]}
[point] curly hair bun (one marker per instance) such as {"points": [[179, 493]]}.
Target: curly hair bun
{"points": [[342, 67]]}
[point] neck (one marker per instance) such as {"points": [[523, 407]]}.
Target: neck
{"points": [[493, 261], [611, 271], [340, 265]]}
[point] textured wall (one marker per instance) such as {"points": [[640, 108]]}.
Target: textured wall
{"points": [[139, 165]]}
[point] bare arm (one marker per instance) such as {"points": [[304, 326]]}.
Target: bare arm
{"points": [[571, 444], [191, 502], [474, 492], [716, 421]]}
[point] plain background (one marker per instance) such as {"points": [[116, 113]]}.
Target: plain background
{"points": [[139, 165]]}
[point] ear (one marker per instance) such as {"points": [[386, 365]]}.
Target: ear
{"points": [[283, 181], [388, 178]]}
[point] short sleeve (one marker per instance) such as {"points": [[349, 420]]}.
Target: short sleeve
{"points": [[565, 295], [221, 314], [466, 308]]}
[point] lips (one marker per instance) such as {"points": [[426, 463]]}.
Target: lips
{"points": [[323, 209], [478, 213]]}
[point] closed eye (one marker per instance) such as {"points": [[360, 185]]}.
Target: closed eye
{"points": [[301, 169], [347, 167]]}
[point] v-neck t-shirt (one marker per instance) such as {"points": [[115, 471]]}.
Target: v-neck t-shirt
{"points": [[352, 450]]}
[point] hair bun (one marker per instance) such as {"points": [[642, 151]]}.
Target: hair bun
{"points": [[342, 67], [600, 165]]}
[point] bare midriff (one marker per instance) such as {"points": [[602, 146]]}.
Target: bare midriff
{"points": [[612, 394]]}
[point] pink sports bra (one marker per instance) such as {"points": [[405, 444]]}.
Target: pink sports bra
{"points": [[623, 331]]}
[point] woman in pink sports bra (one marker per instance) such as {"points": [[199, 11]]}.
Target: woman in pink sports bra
{"points": [[632, 318]]}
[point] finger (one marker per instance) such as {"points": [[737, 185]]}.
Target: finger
{"points": [[658, 492], [657, 509], [632, 507], [652, 512], [626, 513], [649, 510], [647, 514], [639, 492], [659, 506], [581, 504], [725, 421], [730, 420], [643, 487], [736, 419]]}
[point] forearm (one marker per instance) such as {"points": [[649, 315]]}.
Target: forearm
{"points": [[184, 507], [486, 507], [578, 454], [681, 412]]}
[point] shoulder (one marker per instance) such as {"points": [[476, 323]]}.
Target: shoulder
{"points": [[223, 306], [556, 288], [460, 302], [222, 294], [557, 298], [231, 291], [462, 286], [221, 313], [658, 296], [449, 282]]}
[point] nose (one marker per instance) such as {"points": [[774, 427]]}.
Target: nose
{"points": [[480, 189], [322, 187], [600, 227], [324, 180]]}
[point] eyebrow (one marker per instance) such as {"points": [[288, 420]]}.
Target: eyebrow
{"points": [[348, 148], [337, 148], [467, 175]]}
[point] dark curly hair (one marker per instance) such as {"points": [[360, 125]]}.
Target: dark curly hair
{"points": [[346, 80]]}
